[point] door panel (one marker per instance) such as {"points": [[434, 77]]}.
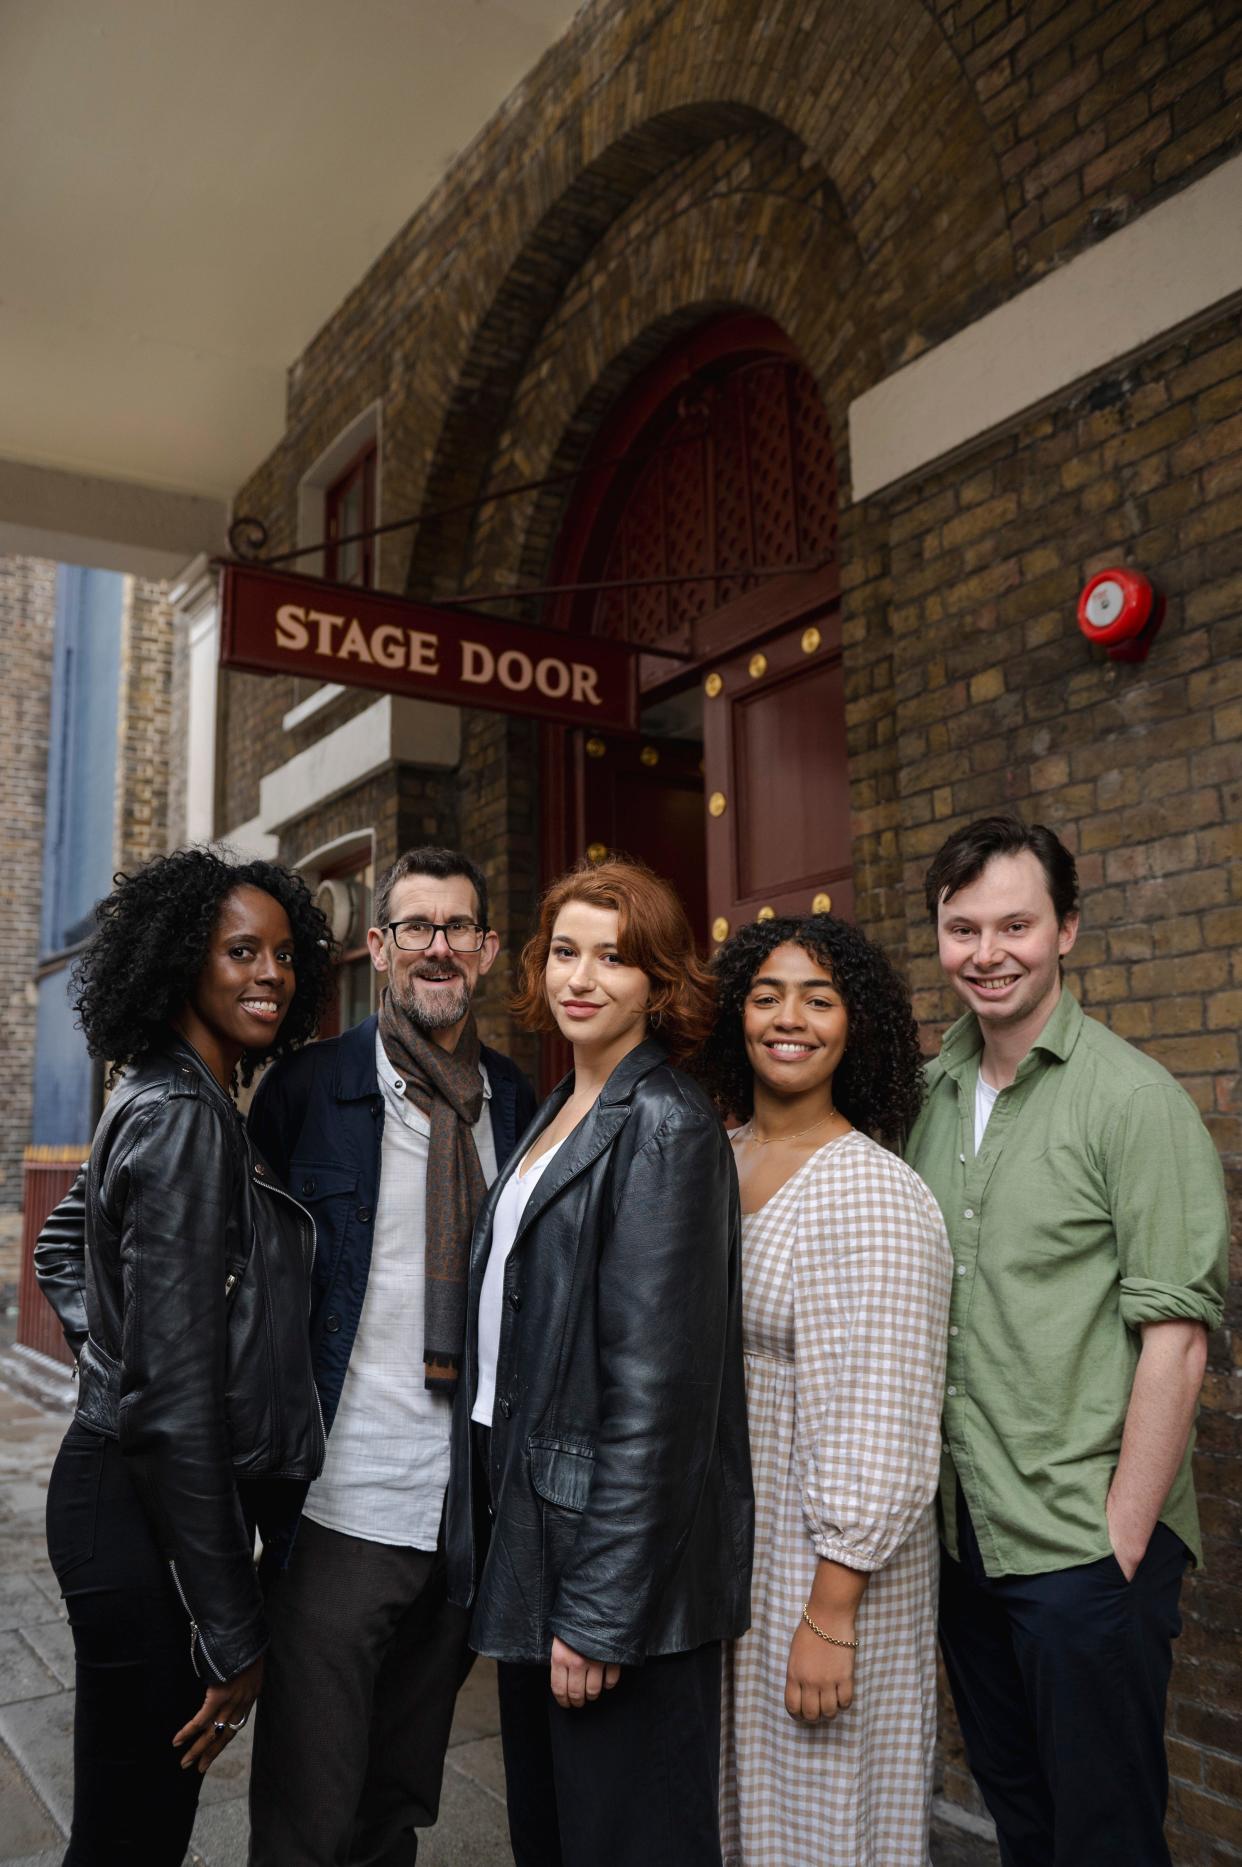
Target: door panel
{"points": [[777, 781], [784, 836], [644, 798], [606, 793]]}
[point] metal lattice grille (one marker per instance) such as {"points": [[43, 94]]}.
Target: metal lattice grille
{"points": [[737, 472]]}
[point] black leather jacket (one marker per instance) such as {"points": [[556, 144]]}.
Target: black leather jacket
{"points": [[620, 1462], [60, 1261], [197, 1356]]}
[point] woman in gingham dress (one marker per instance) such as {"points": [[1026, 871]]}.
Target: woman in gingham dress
{"points": [[829, 1717]]}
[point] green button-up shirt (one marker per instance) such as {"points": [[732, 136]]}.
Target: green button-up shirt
{"points": [[1096, 1203]]}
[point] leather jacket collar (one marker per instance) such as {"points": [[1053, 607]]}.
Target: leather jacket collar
{"points": [[184, 1055]]}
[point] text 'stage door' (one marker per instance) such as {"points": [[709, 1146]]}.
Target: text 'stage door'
{"points": [[776, 779]]}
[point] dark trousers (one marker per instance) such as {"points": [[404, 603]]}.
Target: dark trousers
{"points": [[364, 1667], [629, 1781], [133, 1806], [1059, 1682]]}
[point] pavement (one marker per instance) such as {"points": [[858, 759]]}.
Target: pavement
{"points": [[36, 1691]]}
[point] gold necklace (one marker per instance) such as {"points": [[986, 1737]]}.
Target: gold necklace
{"points": [[767, 1140]]}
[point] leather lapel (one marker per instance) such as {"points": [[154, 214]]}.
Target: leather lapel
{"points": [[578, 1151]]}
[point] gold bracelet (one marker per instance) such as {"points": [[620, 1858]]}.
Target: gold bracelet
{"points": [[816, 1629]]}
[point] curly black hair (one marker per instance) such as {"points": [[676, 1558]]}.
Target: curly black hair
{"points": [[151, 943], [879, 1082]]}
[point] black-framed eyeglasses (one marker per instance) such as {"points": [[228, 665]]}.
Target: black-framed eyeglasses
{"points": [[415, 936]]}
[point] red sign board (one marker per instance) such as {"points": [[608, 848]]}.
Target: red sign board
{"points": [[276, 623]]}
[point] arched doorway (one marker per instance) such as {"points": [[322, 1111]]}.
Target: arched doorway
{"points": [[719, 460]]}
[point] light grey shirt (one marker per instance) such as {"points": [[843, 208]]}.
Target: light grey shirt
{"points": [[386, 1471]]}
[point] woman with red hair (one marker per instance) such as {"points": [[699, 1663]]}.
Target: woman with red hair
{"points": [[600, 1510]]}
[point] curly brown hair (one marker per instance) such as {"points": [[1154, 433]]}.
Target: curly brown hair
{"points": [[652, 933], [879, 1081]]}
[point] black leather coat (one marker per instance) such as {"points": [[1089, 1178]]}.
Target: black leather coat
{"points": [[620, 1463], [197, 1357]]}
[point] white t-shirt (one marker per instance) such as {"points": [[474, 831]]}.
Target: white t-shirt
{"points": [[505, 1221], [386, 1469], [985, 1102]]}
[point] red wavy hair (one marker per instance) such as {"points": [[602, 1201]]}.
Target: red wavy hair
{"points": [[652, 933]]}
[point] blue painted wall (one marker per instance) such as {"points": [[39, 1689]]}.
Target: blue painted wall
{"points": [[77, 843], [81, 767], [65, 1078]]}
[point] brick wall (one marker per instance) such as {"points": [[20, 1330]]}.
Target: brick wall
{"points": [[498, 798], [144, 701], [1139, 768], [27, 621], [178, 738], [873, 178], [401, 806]]}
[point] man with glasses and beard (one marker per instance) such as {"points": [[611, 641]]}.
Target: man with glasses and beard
{"points": [[389, 1135]]}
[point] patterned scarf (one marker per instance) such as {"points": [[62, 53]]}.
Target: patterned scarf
{"points": [[448, 1088]]}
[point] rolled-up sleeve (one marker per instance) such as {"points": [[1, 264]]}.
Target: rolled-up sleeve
{"points": [[872, 1271], [1167, 1191]]}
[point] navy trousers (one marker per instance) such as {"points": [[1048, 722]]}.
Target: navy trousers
{"points": [[1060, 1682]]}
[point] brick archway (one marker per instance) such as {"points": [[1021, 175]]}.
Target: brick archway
{"points": [[846, 89], [698, 264], [721, 456]]}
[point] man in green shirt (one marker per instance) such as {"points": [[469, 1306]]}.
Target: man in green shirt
{"points": [[1085, 1205]]}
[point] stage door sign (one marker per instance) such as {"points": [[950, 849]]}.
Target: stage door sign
{"points": [[276, 623]]}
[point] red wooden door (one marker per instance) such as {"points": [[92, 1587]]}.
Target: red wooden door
{"points": [[644, 798], [614, 794], [777, 780]]}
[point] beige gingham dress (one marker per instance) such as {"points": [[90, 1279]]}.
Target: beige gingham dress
{"points": [[845, 1277]]}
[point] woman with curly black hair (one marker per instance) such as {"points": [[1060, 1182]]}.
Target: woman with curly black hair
{"points": [[197, 1416], [830, 1699]]}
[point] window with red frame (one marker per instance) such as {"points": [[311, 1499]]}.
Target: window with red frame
{"points": [[349, 508]]}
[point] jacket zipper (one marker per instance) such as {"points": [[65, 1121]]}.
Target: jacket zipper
{"points": [[300, 1209], [269, 1186], [196, 1637]]}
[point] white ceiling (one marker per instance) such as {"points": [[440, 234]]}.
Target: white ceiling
{"points": [[190, 187]]}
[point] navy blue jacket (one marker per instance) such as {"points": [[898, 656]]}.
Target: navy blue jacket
{"points": [[318, 1119]]}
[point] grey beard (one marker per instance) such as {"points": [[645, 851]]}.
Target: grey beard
{"points": [[450, 1010]]}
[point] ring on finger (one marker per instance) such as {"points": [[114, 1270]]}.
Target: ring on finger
{"points": [[241, 1722]]}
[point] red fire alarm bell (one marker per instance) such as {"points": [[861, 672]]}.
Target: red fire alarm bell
{"points": [[1122, 610]]}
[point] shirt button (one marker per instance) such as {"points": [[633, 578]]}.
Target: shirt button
{"points": [[364, 1213], [398, 1085], [969, 1213], [332, 1324], [961, 1270], [953, 1329], [308, 1188], [962, 1158], [951, 1390], [506, 1407]]}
